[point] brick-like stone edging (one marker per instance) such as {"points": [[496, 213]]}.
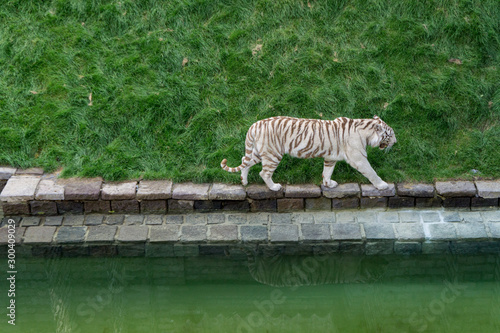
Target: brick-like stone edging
{"points": [[30, 192], [363, 232]]}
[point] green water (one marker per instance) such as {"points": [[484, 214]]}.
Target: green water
{"points": [[262, 294]]}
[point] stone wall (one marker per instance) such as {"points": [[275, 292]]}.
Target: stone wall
{"points": [[30, 192]]}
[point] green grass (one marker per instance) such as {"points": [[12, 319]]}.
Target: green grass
{"points": [[153, 117]]}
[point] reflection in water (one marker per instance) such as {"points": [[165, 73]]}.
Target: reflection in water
{"points": [[322, 293]]}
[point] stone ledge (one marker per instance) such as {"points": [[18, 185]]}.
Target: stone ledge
{"points": [[48, 195]]}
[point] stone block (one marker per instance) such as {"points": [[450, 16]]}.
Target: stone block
{"points": [[6, 172], [20, 188], [284, 233], [492, 216], [134, 219], [73, 220], [193, 233], [39, 235], [410, 232], [43, 208], [216, 218], [15, 208], [238, 218], [280, 218], [315, 232], [347, 190], [269, 205], [227, 192], [125, 206], [494, 230], [174, 219], [257, 218], [435, 247], [82, 188], [379, 248], [442, 231], [261, 192], [471, 231], [352, 248], [388, 217], [154, 190], [253, 233], [368, 190], [2, 184], [290, 204], [242, 205], [190, 191], [98, 206], [69, 207], [379, 231], [301, 217], [321, 217], [94, 219], [211, 250], [482, 203], [451, 216], [321, 203], [346, 232], [67, 235], [30, 221], [74, 251], [415, 190], [48, 189], [488, 189], [401, 202], [154, 219], [132, 233], [165, 233], [366, 203], [103, 250], [453, 189], [345, 203], [302, 191], [428, 202], [470, 217], [159, 250], [153, 206], [101, 234], [119, 191], [186, 250], [53, 220], [346, 217], [409, 217], [407, 248], [114, 219], [457, 202], [180, 206], [223, 233], [207, 205], [430, 217], [195, 219], [131, 250]]}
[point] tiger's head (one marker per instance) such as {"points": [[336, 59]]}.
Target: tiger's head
{"points": [[385, 135]]}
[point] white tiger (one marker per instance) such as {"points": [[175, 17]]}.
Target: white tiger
{"points": [[334, 140]]}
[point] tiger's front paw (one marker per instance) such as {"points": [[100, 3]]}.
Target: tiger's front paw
{"points": [[330, 183], [275, 187], [381, 186]]}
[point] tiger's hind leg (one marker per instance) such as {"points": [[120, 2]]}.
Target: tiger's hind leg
{"points": [[244, 172], [328, 167], [269, 164]]}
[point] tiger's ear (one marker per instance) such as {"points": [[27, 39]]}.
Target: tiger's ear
{"points": [[376, 117]]}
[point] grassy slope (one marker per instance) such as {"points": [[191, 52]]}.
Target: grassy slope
{"points": [[154, 117]]}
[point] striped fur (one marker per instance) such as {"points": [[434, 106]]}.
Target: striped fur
{"points": [[334, 140]]}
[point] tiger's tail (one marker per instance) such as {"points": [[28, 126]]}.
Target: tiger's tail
{"points": [[224, 166], [248, 153]]}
